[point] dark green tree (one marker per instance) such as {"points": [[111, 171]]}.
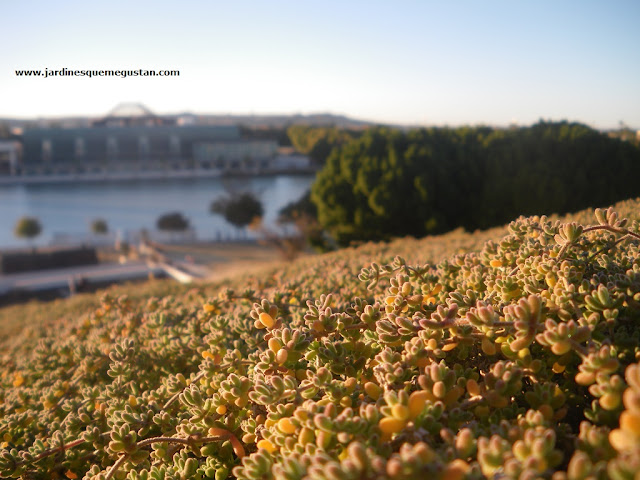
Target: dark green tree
{"points": [[318, 142], [172, 222], [389, 183], [302, 206], [239, 209], [392, 183]]}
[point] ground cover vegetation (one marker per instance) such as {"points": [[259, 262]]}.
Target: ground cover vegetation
{"points": [[510, 353], [387, 182]]}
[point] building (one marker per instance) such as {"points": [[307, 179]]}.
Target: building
{"points": [[234, 155], [9, 157], [132, 139], [290, 161]]}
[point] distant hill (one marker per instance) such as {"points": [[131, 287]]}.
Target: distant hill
{"points": [[272, 121], [254, 121]]}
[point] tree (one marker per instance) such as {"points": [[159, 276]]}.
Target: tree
{"points": [[318, 142], [388, 183], [292, 210], [239, 209], [377, 187], [27, 227], [172, 222], [99, 226], [304, 215]]}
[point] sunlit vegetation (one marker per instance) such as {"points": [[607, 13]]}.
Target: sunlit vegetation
{"points": [[390, 183], [318, 142], [510, 353]]}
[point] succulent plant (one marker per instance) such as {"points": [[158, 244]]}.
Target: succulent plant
{"points": [[512, 352]]}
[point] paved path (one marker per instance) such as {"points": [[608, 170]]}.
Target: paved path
{"points": [[61, 278]]}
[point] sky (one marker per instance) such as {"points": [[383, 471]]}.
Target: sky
{"points": [[463, 62]]}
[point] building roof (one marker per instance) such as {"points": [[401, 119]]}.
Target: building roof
{"points": [[130, 109], [132, 114]]}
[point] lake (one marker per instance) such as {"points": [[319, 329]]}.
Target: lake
{"points": [[68, 209]]}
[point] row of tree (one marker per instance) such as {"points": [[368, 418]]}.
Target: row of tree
{"points": [[30, 227], [239, 209], [392, 183]]}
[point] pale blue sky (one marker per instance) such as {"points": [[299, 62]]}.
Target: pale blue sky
{"points": [[408, 62]]}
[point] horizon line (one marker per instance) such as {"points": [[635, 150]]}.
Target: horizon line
{"points": [[344, 116]]}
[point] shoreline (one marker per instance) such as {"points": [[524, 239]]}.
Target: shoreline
{"points": [[152, 175]]}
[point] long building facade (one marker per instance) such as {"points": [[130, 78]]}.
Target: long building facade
{"points": [[132, 139], [141, 147]]}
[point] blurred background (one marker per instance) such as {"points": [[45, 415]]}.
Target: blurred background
{"points": [[155, 132]]}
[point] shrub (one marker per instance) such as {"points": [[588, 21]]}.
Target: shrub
{"points": [[99, 226], [27, 227]]}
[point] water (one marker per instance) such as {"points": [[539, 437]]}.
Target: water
{"points": [[69, 209]]}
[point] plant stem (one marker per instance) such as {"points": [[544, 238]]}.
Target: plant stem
{"points": [[609, 228], [191, 441], [116, 466]]}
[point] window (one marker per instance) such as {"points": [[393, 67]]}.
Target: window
{"points": [[144, 148], [174, 145], [112, 148], [47, 150], [80, 148]]}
